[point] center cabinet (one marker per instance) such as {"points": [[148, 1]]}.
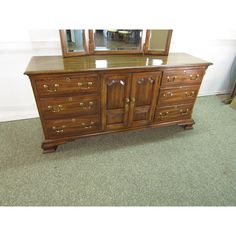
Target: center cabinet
{"points": [[129, 99]]}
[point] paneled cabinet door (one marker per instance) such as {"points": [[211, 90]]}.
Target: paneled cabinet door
{"points": [[115, 100], [143, 97]]}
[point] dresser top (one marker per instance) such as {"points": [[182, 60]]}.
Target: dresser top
{"points": [[58, 64]]}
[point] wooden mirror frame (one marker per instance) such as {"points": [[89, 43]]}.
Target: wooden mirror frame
{"points": [[156, 52], [64, 45], [89, 46]]}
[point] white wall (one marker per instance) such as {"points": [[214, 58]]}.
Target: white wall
{"points": [[18, 46]]}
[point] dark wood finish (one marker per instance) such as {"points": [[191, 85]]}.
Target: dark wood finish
{"points": [[116, 91], [177, 95], [143, 97], [81, 100], [67, 84], [173, 113]]}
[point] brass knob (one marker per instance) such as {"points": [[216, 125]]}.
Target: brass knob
{"points": [[83, 124], [171, 79], [184, 112], [90, 83], [168, 94], [59, 129], [68, 79], [91, 122], [81, 104], [56, 85], [163, 114], [90, 103], [57, 108], [73, 119], [189, 94], [80, 84], [45, 86], [127, 100], [133, 100]]}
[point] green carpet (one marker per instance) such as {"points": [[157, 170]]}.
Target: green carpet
{"points": [[154, 167]]}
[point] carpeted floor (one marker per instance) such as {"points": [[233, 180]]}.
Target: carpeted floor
{"points": [[153, 167]]}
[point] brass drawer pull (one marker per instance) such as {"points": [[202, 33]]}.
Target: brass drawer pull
{"points": [[191, 94], [184, 112], [85, 86], [68, 79], [55, 108], [163, 114], [192, 77], [59, 129], [88, 126], [52, 88], [171, 79], [168, 94], [86, 106]]}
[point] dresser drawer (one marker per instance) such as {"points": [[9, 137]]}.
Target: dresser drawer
{"points": [[72, 126], [173, 113], [75, 105], [177, 95], [67, 84], [172, 78]]}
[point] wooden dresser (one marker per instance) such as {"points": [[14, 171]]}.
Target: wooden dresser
{"points": [[91, 95]]}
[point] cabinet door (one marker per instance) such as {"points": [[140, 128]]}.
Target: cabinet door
{"points": [[115, 101], [143, 99]]}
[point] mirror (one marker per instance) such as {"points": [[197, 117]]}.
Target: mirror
{"points": [[73, 42], [158, 41], [115, 40], [79, 42]]}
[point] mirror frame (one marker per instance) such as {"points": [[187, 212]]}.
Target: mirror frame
{"points": [[64, 45], [113, 52], [89, 45], [156, 52]]}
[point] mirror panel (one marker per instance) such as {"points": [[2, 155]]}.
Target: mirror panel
{"points": [[117, 40], [158, 39], [75, 40]]}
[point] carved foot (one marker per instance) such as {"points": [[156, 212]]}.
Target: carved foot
{"points": [[187, 127], [48, 148]]}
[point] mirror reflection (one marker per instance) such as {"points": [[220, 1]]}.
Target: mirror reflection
{"points": [[158, 40], [117, 39], [75, 40]]}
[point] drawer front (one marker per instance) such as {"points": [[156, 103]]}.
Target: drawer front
{"points": [[75, 105], [177, 95], [67, 84], [172, 78], [173, 113], [72, 126]]}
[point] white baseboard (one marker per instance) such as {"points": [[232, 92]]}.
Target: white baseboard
{"points": [[18, 113]]}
